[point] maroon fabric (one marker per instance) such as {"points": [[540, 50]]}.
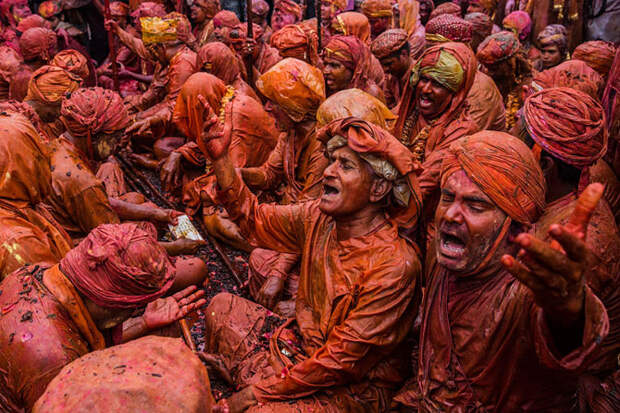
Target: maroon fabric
{"points": [[119, 266]]}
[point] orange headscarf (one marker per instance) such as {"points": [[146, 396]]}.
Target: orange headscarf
{"points": [[293, 41], [38, 43], [356, 103], [189, 113], [72, 61], [352, 24], [217, 58], [354, 55], [377, 8], [50, 84]]}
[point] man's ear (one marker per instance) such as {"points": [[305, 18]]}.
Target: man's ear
{"points": [[547, 164], [380, 189]]}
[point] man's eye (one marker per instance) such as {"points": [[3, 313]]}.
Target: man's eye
{"points": [[447, 197], [477, 207]]}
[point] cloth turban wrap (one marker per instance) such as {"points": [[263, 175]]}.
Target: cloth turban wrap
{"points": [[388, 42], [38, 42], [448, 28], [337, 4], [388, 158], [497, 48], [293, 41], [446, 8], [481, 24], [50, 84], [149, 9], [504, 168], [348, 50], [10, 62], [34, 20], [519, 22], [225, 18], [240, 33], [119, 9], [441, 66], [49, 8], [554, 34], [211, 7], [119, 266], [599, 55], [217, 58], [291, 7], [297, 87], [25, 110], [377, 8], [94, 110], [72, 61], [260, 8], [568, 124], [572, 73], [356, 103], [351, 23]]}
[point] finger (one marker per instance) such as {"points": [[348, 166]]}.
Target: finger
{"points": [[546, 277], [521, 273], [573, 244], [586, 204], [191, 298], [185, 310], [185, 292], [545, 255]]}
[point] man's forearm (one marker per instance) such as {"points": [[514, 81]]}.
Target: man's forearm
{"points": [[224, 171]]}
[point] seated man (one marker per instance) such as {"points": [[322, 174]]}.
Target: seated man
{"points": [[357, 293], [499, 334], [52, 315]]}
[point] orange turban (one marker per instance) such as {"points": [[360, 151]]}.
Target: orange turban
{"points": [[388, 42], [504, 168], [10, 62], [50, 84], [25, 110], [572, 73], [72, 61], [119, 266], [225, 18], [446, 8], [388, 158], [49, 8], [293, 41], [599, 55], [567, 124], [356, 103], [377, 8], [351, 23], [354, 55], [297, 87], [291, 7], [38, 43], [94, 111]]}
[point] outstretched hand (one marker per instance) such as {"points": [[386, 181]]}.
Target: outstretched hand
{"points": [[167, 310], [555, 271]]}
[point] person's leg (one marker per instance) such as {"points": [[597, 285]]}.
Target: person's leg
{"points": [[189, 271]]}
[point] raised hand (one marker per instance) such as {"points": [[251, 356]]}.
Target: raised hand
{"points": [[555, 272], [165, 311], [216, 135]]}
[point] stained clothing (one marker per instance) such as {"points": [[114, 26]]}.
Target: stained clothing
{"points": [[486, 105], [355, 304]]}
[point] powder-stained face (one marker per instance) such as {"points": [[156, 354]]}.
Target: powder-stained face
{"points": [[467, 223], [347, 183], [21, 11], [281, 18], [551, 55], [197, 13], [337, 76], [432, 99], [425, 12], [378, 25]]}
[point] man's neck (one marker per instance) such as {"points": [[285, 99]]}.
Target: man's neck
{"points": [[359, 224], [303, 128]]}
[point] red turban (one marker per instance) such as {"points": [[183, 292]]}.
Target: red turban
{"points": [[377, 8], [217, 58], [290, 7], [38, 43], [446, 8], [376, 146], [49, 8], [293, 41], [225, 18], [119, 266], [504, 168], [572, 73], [388, 42], [520, 23], [448, 28], [568, 124], [50, 84], [599, 55], [34, 20], [481, 24], [72, 61], [351, 23], [498, 47], [94, 110]]}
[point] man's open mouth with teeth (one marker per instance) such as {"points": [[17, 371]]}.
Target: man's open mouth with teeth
{"points": [[452, 242]]}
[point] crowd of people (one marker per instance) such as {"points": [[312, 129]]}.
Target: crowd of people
{"points": [[428, 194]]}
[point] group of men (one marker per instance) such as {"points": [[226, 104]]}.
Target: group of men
{"points": [[428, 192]]}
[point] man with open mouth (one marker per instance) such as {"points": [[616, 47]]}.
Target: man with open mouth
{"points": [[358, 290], [501, 333]]}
